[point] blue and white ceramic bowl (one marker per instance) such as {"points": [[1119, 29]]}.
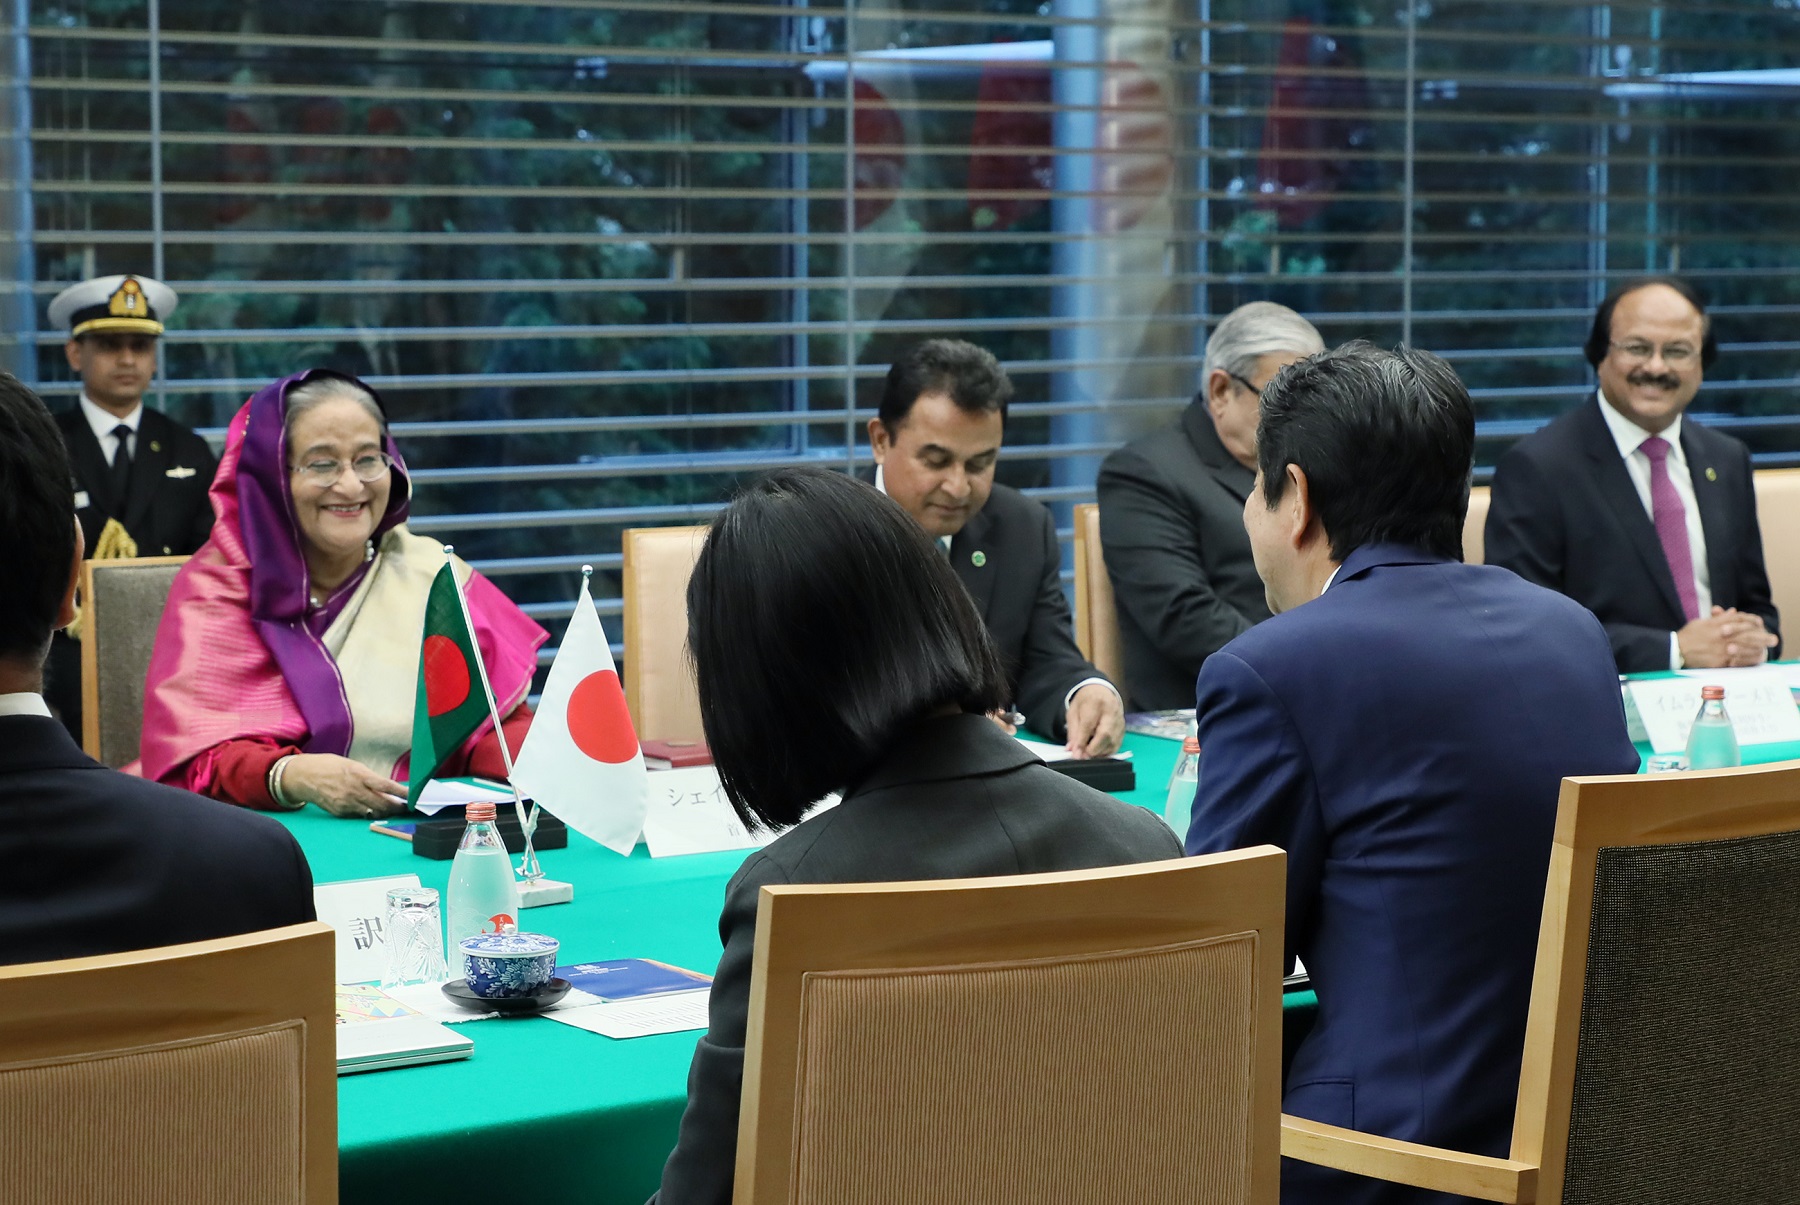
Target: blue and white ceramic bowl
{"points": [[504, 965]]}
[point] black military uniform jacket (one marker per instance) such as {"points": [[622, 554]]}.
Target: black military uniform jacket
{"points": [[165, 509]]}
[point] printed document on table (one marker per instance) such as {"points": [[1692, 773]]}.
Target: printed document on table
{"points": [[1757, 698], [1048, 753], [448, 793], [640, 1017], [429, 1000]]}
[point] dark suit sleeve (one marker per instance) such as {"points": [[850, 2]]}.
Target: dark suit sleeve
{"points": [[1256, 784], [703, 1164], [1753, 592], [1156, 571], [1050, 664], [300, 895], [1525, 534]]}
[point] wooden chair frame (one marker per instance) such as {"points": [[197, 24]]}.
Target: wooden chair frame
{"points": [[866, 926], [1778, 513], [1474, 532], [1592, 814], [655, 717], [171, 994], [90, 643], [1094, 601]]}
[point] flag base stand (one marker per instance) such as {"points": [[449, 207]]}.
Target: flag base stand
{"points": [[543, 892]]}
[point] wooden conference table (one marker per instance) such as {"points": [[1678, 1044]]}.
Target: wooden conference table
{"points": [[569, 1111]]}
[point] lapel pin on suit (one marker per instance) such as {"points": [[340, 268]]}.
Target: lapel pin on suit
{"points": [[978, 558], [155, 446], [1711, 473]]}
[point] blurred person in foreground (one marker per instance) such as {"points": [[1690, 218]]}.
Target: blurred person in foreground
{"points": [[836, 652], [1401, 726], [935, 438], [93, 861], [140, 477], [287, 662], [1172, 512], [1641, 516]]}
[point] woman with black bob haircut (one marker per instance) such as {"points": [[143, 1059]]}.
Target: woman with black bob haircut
{"points": [[820, 619], [836, 651]]}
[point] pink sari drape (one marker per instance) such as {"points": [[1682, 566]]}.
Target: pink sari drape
{"points": [[213, 675]]}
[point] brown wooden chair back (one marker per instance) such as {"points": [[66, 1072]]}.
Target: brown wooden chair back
{"points": [[1662, 1057], [1778, 515], [201, 1074], [1475, 525], [1093, 1036], [121, 605], [659, 683], [1096, 613]]}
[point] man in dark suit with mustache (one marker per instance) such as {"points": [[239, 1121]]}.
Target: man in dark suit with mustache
{"points": [[1647, 520], [935, 438]]}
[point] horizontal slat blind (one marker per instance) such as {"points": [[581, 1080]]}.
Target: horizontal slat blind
{"points": [[605, 259]]}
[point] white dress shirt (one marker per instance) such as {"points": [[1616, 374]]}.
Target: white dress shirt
{"points": [[944, 543], [1630, 439], [24, 703], [102, 423]]}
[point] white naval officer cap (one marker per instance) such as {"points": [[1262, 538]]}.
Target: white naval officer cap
{"points": [[129, 304]]}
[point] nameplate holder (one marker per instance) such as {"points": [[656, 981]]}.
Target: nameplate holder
{"points": [[1758, 700], [356, 910], [688, 814]]}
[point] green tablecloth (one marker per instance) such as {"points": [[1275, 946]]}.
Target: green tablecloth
{"points": [[590, 1116]]}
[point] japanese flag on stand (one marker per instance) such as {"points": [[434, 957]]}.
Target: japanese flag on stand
{"points": [[581, 758]]}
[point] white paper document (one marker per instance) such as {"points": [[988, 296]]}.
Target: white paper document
{"points": [[641, 1017], [428, 1000], [1047, 752], [1758, 699], [439, 795], [357, 909], [688, 814]]}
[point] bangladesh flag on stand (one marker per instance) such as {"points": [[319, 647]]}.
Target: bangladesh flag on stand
{"points": [[452, 702]]}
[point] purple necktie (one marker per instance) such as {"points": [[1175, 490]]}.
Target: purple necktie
{"points": [[1670, 517]]}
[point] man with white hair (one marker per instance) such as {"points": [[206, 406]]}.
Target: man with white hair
{"points": [[1172, 512]]}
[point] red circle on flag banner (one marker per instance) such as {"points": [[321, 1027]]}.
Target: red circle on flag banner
{"points": [[599, 724], [446, 675]]}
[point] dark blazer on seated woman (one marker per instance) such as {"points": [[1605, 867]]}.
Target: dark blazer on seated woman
{"points": [[954, 797], [835, 652]]}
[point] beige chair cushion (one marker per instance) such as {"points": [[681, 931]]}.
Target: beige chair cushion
{"points": [[1096, 612], [213, 1120], [1475, 525], [123, 609], [1778, 514], [906, 1077], [659, 683], [188, 1074]]}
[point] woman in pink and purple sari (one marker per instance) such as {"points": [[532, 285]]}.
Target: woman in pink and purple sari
{"points": [[287, 661]]}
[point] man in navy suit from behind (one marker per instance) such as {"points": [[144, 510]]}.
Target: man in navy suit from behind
{"points": [[1401, 727], [93, 861]]}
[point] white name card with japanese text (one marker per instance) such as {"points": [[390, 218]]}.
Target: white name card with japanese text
{"points": [[688, 814], [357, 910], [1759, 702]]}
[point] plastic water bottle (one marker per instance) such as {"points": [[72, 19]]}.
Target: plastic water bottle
{"points": [[1712, 743], [483, 895], [1178, 811]]}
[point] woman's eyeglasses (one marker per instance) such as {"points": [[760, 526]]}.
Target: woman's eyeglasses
{"points": [[327, 472]]}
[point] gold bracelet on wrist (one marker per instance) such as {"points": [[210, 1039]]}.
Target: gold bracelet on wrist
{"points": [[275, 772]]}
